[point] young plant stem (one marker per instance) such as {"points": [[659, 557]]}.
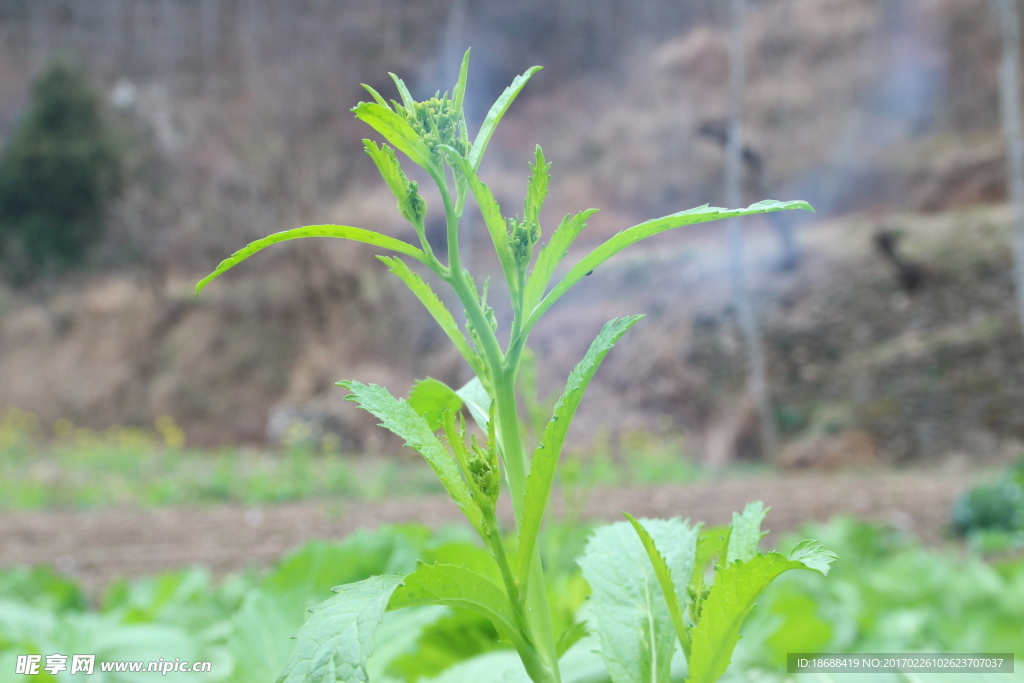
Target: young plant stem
{"points": [[533, 602]]}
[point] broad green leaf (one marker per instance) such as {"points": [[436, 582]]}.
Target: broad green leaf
{"points": [[336, 641], [629, 613], [432, 398], [453, 586], [397, 131], [745, 532], [491, 212], [551, 255], [435, 307], [407, 98], [398, 417], [478, 401], [732, 597], [391, 171], [810, 554], [459, 93], [545, 459], [620, 241], [341, 231], [536, 187], [495, 114], [665, 580]]}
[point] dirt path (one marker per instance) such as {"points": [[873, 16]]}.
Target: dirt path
{"points": [[98, 546]]}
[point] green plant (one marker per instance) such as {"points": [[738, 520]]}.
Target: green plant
{"points": [[59, 172], [336, 641]]}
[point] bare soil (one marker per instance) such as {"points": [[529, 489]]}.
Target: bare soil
{"points": [[96, 547]]}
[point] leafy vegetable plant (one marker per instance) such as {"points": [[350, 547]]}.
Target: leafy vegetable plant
{"points": [[337, 640]]}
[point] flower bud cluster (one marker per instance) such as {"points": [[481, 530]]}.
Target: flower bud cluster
{"points": [[522, 236], [438, 122]]}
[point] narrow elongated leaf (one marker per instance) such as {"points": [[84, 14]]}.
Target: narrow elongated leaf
{"points": [[435, 307], [629, 614], [432, 398], [397, 131], [745, 532], [495, 114], [459, 93], [407, 99], [398, 417], [552, 254], [376, 96], [545, 459], [732, 597], [336, 641], [453, 586], [341, 231], [620, 241], [491, 212], [537, 187], [666, 581], [478, 401]]}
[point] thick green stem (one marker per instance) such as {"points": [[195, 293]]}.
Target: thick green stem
{"points": [[534, 602]]}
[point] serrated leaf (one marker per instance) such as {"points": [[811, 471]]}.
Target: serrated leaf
{"points": [[432, 398], [489, 210], [336, 641], [545, 460], [745, 532], [630, 617], [391, 171], [454, 586], [536, 187], [478, 401], [665, 581], [495, 114], [732, 597], [341, 231], [552, 254], [398, 417], [397, 131], [620, 241], [810, 554], [435, 307]]}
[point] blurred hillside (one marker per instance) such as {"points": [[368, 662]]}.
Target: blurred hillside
{"points": [[234, 116]]}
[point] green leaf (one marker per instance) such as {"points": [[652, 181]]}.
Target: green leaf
{"points": [[570, 636], [459, 93], [400, 418], [391, 171], [629, 614], [552, 254], [545, 459], [397, 131], [745, 532], [665, 580], [495, 114], [432, 398], [436, 308], [336, 641], [732, 597], [407, 98], [341, 231], [620, 241], [453, 586], [536, 187], [810, 554], [491, 212], [376, 96], [478, 401]]}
